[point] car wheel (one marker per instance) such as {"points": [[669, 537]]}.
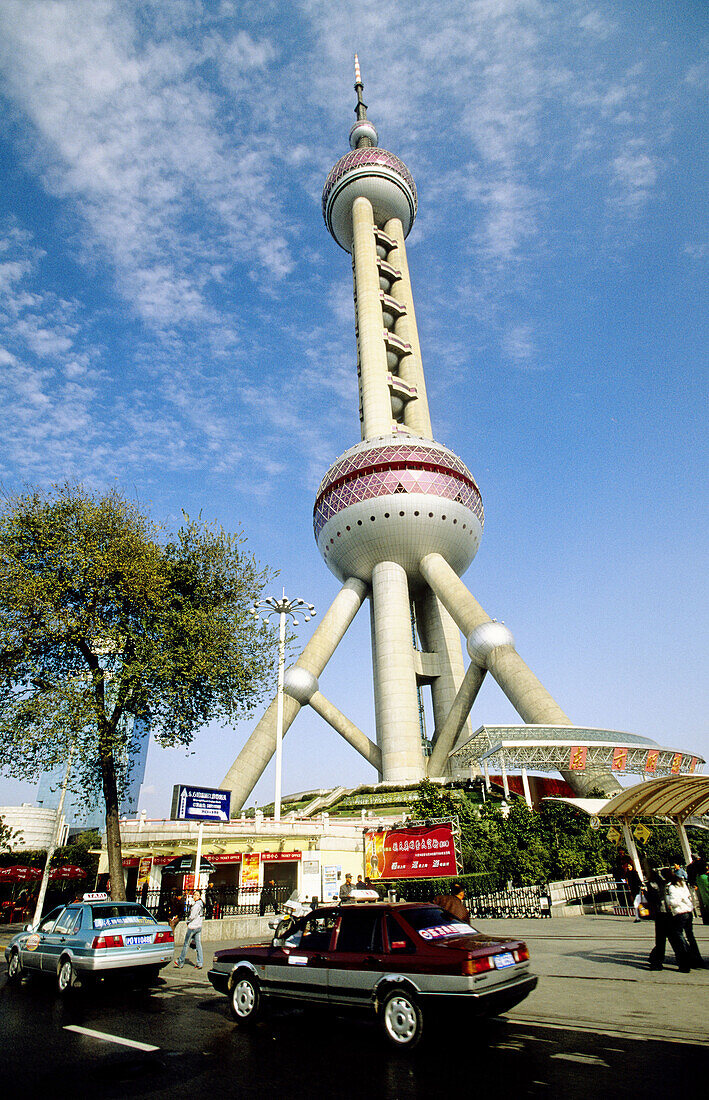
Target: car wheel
{"points": [[14, 968], [65, 975], [402, 1019], [245, 999]]}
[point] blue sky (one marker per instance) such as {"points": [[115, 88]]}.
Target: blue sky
{"points": [[176, 320]]}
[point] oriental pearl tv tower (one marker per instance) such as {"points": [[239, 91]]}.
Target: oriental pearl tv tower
{"points": [[398, 519]]}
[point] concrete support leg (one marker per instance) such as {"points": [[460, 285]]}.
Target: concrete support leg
{"points": [[253, 759], [396, 700], [455, 721], [440, 635], [494, 650], [351, 733]]}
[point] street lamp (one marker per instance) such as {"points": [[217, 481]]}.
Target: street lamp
{"points": [[266, 609]]}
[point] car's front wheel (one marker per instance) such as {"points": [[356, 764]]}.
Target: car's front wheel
{"points": [[65, 975], [402, 1019], [14, 967], [245, 1000]]}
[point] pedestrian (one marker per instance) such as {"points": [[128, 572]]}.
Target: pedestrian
{"points": [[665, 929], [268, 897], [346, 888], [679, 900], [359, 884], [193, 932], [177, 910], [453, 903], [702, 886], [695, 867]]}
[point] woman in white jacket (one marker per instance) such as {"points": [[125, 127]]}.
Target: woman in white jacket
{"points": [[681, 908]]}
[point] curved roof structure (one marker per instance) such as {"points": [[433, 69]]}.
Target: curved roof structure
{"points": [[573, 748], [678, 796]]}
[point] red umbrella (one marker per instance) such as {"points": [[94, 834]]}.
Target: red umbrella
{"points": [[67, 871], [18, 873]]}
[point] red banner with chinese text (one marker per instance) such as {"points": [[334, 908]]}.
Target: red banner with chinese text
{"points": [[419, 851], [676, 763], [280, 857], [651, 762], [577, 759], [620, 759]]}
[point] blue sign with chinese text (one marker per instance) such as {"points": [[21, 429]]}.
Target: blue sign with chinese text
{"points": [[199, 804]]}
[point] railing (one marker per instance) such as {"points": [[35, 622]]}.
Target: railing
{"points": [[219, 901], [598, 894], [484, 896]]}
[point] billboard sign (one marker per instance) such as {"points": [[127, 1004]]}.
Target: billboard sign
{"points": [[199, 804], [417, 851]]}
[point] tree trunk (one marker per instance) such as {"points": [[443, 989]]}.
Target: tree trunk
{"points": [[113, 829]]}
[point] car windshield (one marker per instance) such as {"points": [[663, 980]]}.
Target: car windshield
{"points": [[433, 923], [104, 916]]}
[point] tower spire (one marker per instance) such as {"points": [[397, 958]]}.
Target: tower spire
{"points": [[363, 135], [361, 108]]}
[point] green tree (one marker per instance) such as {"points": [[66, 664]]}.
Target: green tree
{"points": [[105, 618], [8, 837]]}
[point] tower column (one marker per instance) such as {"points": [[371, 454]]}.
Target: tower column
{"points": [[395, 700], [374, 388], [440, 635], [416, 415]]}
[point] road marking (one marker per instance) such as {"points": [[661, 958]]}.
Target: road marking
{"points": [[584, 1059], [109, 1038]]}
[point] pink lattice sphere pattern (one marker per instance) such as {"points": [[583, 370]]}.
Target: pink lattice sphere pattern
{"points": [[395, 500]]}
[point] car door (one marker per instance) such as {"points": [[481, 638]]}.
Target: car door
{"points": [[56, 940], [298, 969], [33, 945], [358, 957]]}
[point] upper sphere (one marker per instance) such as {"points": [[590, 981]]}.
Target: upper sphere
{"points": [[378, 176]]}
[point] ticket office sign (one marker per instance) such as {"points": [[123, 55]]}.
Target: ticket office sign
{"points": [[418, 851]]}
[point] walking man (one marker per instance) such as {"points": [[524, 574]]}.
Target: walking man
{"points": [[193, 935]]}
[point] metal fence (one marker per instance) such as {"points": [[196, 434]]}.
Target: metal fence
{"points": [[598, 894], [219, 901], [484, 896]]}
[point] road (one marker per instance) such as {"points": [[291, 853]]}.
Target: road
{"points": [[598, 1025]]}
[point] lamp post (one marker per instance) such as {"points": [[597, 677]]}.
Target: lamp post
{"points": [[266, 609]]}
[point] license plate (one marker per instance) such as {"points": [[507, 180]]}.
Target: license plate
{"points": [[503, 960], [133, 941]]}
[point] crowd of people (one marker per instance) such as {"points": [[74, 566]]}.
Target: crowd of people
{"points": [[669, 897]]}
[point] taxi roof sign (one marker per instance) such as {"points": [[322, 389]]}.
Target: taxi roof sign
{"points": [[95, 897]]}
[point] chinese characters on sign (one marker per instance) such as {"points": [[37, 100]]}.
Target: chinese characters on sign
{"points": [[620, 759], [419, 851], [577, 760], [676, 763], [651, 762]]}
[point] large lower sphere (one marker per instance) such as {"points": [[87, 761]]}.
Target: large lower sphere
{"points": [[397, 498]]}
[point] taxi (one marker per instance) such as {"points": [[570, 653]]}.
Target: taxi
{"points": [[398, 962], [89, 938]]}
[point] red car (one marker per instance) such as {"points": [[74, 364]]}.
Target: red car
{"points": [[396, 961]]}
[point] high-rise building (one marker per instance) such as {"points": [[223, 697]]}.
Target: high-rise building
{"points": [[77, 814], [398, 519]]}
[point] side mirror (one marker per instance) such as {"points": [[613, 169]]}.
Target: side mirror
{"points": [[30, 928], [277, 941], [273, 924]]}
